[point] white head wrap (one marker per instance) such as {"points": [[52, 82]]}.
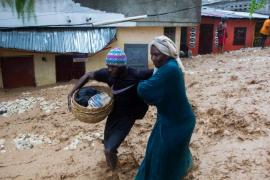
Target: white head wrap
{"points": [[166, 46]]}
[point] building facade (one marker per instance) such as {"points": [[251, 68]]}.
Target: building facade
{"points": [[48, 54], [240, 6], [242, 31]]}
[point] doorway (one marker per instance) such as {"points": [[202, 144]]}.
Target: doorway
{"points": [[183, 44], [257, 36], [66, 69], [137, 55], [206, 38], [18, 72]]}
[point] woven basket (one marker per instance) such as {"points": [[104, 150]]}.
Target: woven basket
{"points": [[92, 115]]}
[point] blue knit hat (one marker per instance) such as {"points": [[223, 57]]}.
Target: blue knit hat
{"points": [[116, 56]]}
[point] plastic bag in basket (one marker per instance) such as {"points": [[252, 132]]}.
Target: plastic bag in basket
{"points": [[99, 100]]}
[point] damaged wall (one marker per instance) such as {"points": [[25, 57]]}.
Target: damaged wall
{"points": [[186, 12]]}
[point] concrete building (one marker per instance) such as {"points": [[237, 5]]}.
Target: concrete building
{"points": [[61, 42], [242, 31], [239, 5]]}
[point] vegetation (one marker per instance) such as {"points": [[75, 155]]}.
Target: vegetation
{"points": [[23, 8], [26, 8], [255, 5]]}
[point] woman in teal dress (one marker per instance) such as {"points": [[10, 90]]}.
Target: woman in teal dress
{"points": [[167, 155]]}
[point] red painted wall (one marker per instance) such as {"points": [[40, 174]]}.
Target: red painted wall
{"points": [[194, 48], [231, 24], [267, 42]]}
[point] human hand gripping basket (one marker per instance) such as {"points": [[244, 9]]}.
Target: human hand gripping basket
{"points": [[92, 115]]}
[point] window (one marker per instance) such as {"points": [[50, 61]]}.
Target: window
{"points": [[239, 36], [137, 55], [170, 32]]}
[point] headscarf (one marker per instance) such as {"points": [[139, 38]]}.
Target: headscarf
{"points": [[166, 46], [117, 57]]}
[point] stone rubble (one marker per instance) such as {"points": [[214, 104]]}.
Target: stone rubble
{"points": [[89, 137], [253, 59], [28, 141], [190, 72], [2, 145], [22, 105]]}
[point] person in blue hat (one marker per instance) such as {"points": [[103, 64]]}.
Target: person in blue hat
{"points": [[127, 107]]}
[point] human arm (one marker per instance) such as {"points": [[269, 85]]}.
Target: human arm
{"points": [[82, 81], [152, 90], [145, 74]]}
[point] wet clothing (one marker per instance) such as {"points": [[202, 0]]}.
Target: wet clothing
{"points": [[167, 155], [84, 94], [116, 129], [263, 39], [127, 107]]}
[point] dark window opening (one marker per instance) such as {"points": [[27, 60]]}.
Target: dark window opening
{"points": [[170, 32], [137, 55], [239, 36]]}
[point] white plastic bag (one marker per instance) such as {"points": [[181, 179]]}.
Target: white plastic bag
{"points": [[99, 100]]}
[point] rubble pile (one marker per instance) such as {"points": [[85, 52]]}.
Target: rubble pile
{"points": [[28, 141], [22, 105], [2, 146], [88, 137]]}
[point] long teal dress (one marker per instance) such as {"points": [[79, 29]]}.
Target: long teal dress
{"points": [[167, 154]]}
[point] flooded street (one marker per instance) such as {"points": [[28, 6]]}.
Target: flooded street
{"points": [[230, 94]]}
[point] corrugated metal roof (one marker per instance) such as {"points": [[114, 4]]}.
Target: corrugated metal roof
{"points": [[61, 40], [54, 13], [213, 12]]}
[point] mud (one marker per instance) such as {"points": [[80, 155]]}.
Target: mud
{"points": [[229, 94]]}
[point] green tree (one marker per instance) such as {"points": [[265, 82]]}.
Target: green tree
{"points": [[23, 8], [255, 5]]}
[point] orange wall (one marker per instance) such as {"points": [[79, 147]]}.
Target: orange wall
{"points": [[231, 24]]}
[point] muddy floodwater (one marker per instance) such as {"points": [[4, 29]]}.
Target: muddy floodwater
{"points": [[230, 94]]}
